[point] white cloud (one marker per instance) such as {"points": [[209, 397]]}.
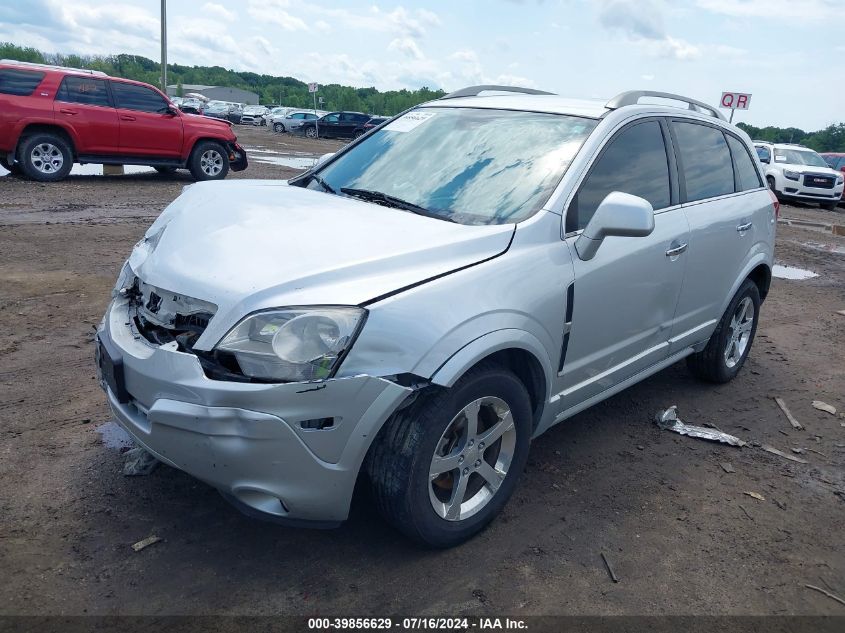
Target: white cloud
{"points": [[219, 11], [400, 21], [785, 10], [406, 46], [275, 12]]}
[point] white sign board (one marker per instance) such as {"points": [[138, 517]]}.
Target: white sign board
{"points": [[735, 101], [312, 87]]}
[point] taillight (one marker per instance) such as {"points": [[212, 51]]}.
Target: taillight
{"points": [[775, 202]]}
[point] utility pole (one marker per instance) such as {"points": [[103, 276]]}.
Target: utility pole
{"points": [[164, 46]]}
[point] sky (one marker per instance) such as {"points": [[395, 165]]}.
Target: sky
{"points": [[788, 54]]}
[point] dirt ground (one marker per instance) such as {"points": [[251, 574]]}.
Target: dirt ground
{"points": [[682, 534]]}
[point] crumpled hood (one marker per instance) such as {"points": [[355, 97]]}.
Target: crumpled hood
{"points": [[249, 245]]}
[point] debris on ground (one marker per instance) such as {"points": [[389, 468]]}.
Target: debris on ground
{"points": [[824, 406], [795, 423], [610, 571], [812, 450], [798, 451], [668, 420], [145, 543], [826, 592], [741, 507], [139, 462], [727, 467], [756, 495], [779, 504], [775, 451]]}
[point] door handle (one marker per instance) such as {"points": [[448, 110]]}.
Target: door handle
{"points": [[66, 111], [672, 252], [126, 117], [744, 227]]}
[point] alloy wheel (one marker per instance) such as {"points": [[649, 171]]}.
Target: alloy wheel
{"points": [[472, 458], [741, 325], [46, 158], [211, 162]]}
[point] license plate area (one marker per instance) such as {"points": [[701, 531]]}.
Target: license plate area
{"points": [[111, 370]]}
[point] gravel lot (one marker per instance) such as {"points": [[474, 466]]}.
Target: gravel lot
{"points": [[682, 534]]}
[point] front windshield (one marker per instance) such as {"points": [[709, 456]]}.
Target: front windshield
{"points": [[798, 157], [467, 165]]}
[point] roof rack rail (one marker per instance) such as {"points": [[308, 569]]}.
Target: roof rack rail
{"points": [[15, 62], [632, 97], [474, 91]]}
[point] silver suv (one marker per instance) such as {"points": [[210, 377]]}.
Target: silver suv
{"points": [[421, 305]]}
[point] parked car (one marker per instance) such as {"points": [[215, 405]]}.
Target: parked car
{"points": [[836, 161], [375, 122], [271, 112], [422, 304], [177, 101], [52, 117], [798, 173], [336, 125], [254, 115], [293, 120], [222, 110], [191, 106]]}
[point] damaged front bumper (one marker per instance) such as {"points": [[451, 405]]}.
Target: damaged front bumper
{"points": [[237, 157], [288, 452]]}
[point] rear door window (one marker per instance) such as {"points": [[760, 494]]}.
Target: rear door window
{"points": [[746, 173], [706, 164], [139, 98], [633, 162], [84, 90], [20, 83]]}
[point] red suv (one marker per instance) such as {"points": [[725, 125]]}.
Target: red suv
{"points": [[52, 117]]}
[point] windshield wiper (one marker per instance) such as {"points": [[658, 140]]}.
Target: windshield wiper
{"points": [[323, 183], [392, 201]]}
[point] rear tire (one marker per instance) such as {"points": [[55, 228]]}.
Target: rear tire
{"points": [[45, 157], [358, 134], [731, 341], [311, 132], [209, 161], [472, 482]]}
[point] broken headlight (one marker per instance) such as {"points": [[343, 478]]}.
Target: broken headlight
{"points": [[293, 344]]}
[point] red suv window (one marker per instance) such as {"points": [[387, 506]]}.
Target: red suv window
{"points": [[20, 83], [140, 98], [84, 90]]}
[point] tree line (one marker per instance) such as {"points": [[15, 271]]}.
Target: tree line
{"points": [[293, 92], [286, 91]]}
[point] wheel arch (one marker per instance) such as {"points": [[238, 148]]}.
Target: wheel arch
{"points": [[762, 276], [516, 350], [52, 128]]}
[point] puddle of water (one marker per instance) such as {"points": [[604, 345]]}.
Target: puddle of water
{"points": [[828, 248], [114, 436], [791, 272], [97, 170], [296, 162]]}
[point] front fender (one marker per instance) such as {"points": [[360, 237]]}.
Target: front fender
{"points": [[482, 347]]}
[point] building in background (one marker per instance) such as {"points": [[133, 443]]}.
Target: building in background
{"points": [[218, 93]]}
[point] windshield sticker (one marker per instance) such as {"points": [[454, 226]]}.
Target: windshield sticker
{"points": [[409, 121], [780, 158]]}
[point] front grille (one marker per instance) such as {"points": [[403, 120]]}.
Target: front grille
{"points": [[819, 181]]}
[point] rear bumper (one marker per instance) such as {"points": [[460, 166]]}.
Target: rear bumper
{"points": [[247, 440]]}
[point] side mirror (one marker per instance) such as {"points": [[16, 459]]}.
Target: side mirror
{"points": [[619, 214], [172, 110], [765, 160]]}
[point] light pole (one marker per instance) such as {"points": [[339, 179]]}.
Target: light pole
{"points": [[164, 46]]}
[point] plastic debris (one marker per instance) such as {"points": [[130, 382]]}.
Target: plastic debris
{"points": [[610, 571], [727, 467], [826, 592], [139, 462], [146, 543], [755, 495], [824, 406], [774, 451], [795, 423], [668, 420]]}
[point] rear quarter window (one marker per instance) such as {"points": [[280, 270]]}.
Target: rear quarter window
{"points": [[706, 160], [20, 83], [747, 176]]}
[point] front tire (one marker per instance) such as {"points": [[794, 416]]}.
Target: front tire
{"points": [[45, 157], [444, 467], [731, 341], [209, 161], [311, 132], [278, 127], [829, 206]]}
